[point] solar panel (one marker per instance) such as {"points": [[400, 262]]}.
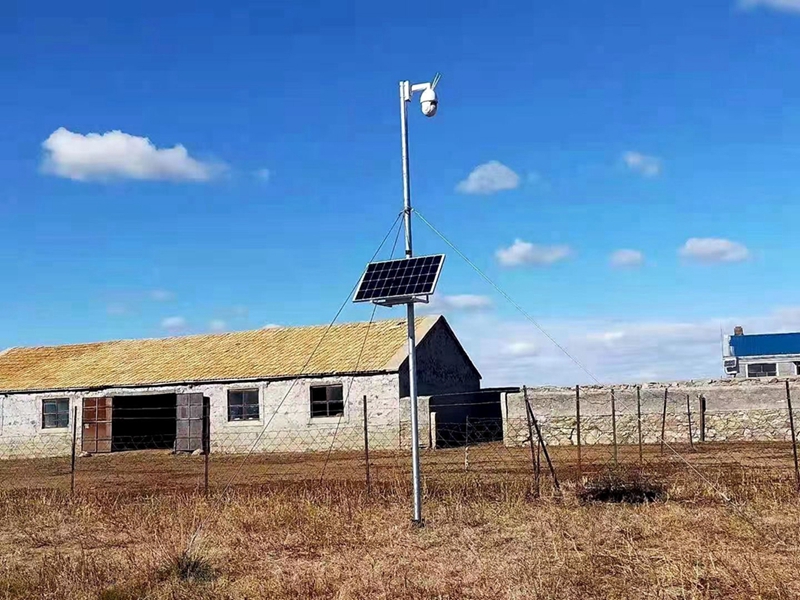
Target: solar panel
{"points": [[401, 278]]}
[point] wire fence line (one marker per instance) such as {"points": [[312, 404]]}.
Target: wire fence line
{"points": [[535, 436]]}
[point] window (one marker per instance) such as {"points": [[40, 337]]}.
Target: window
{"points": [[797, 368], [243, 405], [326, 401], [55, 413], [762, 370]]}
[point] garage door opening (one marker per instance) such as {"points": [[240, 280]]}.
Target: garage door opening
{"points": [[144, 422]]}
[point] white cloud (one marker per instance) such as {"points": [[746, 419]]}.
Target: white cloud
{"points": [[217, 325], [647, 166], [489, 178], [514, 352], [714, 250], [521, 349], [271, 326], [173, 323], [524, 253], [118, 155], [263, 174], [462, 302], [162, 295], [780, 5], [626, 258]]}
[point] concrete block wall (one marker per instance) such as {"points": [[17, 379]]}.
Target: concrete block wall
{"points": [[21, 431], [284, 425], [736, 410], [404, 431], [290, 425]]}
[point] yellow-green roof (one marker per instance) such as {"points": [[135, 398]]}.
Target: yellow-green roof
{"points": [[262, 353]]}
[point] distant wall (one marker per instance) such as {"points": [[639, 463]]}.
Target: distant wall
{"points": [[735, 410]]}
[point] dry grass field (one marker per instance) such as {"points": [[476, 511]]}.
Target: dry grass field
{"points": [[486, 536]]}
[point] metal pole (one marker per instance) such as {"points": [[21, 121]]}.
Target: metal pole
{"points": [[74, 442], [412, 381], [794, 436], [614, 427], [664, 421], [578, 428], [405, 96], [366, 448]]}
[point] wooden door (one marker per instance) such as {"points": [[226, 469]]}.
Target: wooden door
{"points": [[189, 423], [96, 425]]}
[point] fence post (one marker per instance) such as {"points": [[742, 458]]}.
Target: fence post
{"points": [[534, 462], [206, 442], [614, 426], [466, 445], [538, 463], [689, 415], [366, 446], [74, 444], [794, 436], [639, 420], [702, 418], [578, 428], [532, 417], [664, 421]]}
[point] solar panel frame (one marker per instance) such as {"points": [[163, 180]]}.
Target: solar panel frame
{"points": [[398, 279]]}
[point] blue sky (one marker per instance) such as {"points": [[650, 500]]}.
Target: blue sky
{"points": [[667, 129]]}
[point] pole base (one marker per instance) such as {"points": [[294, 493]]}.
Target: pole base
{"points": [[419, 524]]}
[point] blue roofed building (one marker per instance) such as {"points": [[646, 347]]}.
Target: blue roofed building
{"points": [[761, 355]]}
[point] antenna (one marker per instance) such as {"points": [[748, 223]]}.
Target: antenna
{"points": [[435, 80]]}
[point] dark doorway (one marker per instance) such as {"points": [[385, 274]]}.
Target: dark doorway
{"points": [[144, 422]]}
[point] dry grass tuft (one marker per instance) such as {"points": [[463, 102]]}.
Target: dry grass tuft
{"points": [[189, 566]]}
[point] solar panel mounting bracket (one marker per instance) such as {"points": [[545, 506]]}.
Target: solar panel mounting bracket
{"points": [[389, 302]]}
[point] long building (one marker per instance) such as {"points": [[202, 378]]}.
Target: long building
{"points": [[226, 390]]}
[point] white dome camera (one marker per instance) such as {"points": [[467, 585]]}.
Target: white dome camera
{"points": [[428, 102]]}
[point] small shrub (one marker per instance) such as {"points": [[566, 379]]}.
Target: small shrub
{"points": [[622, 486], [188, 566]]}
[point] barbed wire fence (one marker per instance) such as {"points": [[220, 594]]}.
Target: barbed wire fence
{"points": [[539, 437]]}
